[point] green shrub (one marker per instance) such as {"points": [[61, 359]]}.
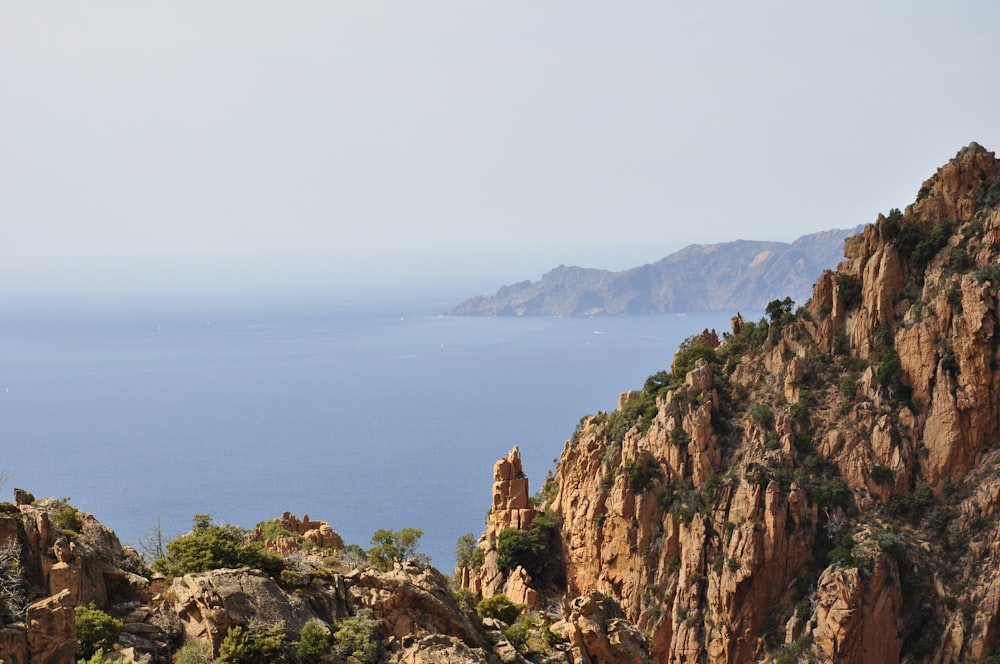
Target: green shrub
{"points": [[641, 473], [779, 311], [849, 385], [466, 599], [253, 645], [690, 351], [193, 652], [356, 640], [711, 486], [849, 287], [528, 548], [841, 345], [499, 607], [95, 630], [763, 416], [949, 363], [67, 518], [520, 634], [920, 246], [889, 227], [272, 530], [959, 260], [913, 504], [882, 474], [99, 658], [391, 546], [314, 644], [467, 554], [237, 647], [801, 408], [210, 546], [989, 273], [353, 555]]}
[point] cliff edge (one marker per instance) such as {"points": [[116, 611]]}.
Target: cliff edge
{"points": [[819, 485]]}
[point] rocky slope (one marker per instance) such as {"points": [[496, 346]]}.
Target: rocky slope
{"points": [[819, 485], [823, 484], [731, 275], [55, 561]]}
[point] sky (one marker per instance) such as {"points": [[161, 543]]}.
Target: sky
{"points": [[176, 149]]}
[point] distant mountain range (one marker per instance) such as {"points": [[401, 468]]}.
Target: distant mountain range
{"points": [[744, 274]]}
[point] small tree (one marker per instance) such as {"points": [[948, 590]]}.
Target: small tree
{"points": [[95, 630], [779, 310], [193, 652], [153, 544], [528, 548], [210, 546], [499, 607], [390, 546], [465, 550], [252, 645], [99, 658], [314, 645], [356, 640]]}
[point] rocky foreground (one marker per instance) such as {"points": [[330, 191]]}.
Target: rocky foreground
{"points": [[819, 485]]}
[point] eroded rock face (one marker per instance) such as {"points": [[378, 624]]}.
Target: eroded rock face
{"points": [[511, 508], [716, 517], [319, 533], [857, 614], [210, 603], [440, 649], [413, 600], [51, 630], [599, 633]]}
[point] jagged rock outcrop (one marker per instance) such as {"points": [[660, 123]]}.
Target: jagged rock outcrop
{"points": [[318, 533], [51, 630], [413, 600], [599, 634], [857, 618], [210, 603], [64, 558], [511, 508], [782, 492]]}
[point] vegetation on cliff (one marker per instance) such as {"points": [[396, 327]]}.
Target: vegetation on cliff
{"points": [[781, 490], [819, 485]]}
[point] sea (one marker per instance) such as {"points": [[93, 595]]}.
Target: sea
{"points": [[367, 416]]}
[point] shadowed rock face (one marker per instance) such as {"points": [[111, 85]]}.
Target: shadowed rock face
{"points": [[731, 275]]}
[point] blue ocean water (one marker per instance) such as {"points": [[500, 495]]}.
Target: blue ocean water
{"points": [[367, 417]]}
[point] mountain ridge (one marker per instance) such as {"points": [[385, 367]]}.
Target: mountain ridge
{"points": [[741, 274]]}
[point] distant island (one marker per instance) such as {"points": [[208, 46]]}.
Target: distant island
{"points": [[743, 274]]}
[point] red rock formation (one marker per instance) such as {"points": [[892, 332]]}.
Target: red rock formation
{"points": [[779, 477]]}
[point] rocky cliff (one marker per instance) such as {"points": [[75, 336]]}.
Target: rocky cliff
{"points": [[821, 485], [726, 276]]}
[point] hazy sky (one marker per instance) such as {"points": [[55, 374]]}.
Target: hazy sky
{"points": [[259, 145]]}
